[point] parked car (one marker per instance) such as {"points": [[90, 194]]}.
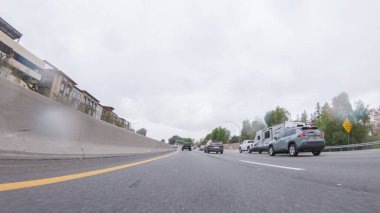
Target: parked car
{"points": [[186, 146], [248, 146], [214, 146], [298, 139]]}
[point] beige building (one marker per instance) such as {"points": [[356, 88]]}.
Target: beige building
{"points": [[90, 104], [76, 97], [99, 112], [17, 64], [56, 85], [111, 117], [108, 115]]}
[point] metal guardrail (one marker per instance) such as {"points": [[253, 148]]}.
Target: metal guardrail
{"points": [[352, 146]]}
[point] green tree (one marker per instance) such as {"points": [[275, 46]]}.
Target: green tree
{"points": [[180, 140], [247, 132], [207, 138], [361, 122], [374, 113], [142, 131], [276, 116], [257, 124], [173, 139], [220, 134], [331, 119], [324, 118], [329, 126], [318, 111], [342, 107], [234, 139], [304, 117]]}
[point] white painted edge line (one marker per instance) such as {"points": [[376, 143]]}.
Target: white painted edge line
{"points": [[271, 165]]}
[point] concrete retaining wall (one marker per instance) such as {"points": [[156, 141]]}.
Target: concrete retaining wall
{"points": [[233, 146], [32, 123]]}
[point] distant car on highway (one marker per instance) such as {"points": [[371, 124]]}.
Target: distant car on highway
{"points": [[214, 146], [298, 139], [186, 146], [248, 146]]}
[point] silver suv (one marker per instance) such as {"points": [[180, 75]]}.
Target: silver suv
{"points": [[298, 139]]}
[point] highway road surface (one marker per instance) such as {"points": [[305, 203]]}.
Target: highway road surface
{"points": [[195, 182]]}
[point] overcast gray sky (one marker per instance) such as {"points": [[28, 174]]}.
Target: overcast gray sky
{"points": [[185, 67]]}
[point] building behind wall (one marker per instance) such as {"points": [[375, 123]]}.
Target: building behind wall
{"points": [[76, 97], [17, 64], [121, 122], [108, 115], [56, 85], [90, 104], [22, 67], [99, 112]]}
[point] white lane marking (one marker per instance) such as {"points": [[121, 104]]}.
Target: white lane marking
{"points": [[271, 165]]}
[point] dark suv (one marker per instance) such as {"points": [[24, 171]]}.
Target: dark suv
{"points": [[298, 139], [186, 146], [214, 146]]}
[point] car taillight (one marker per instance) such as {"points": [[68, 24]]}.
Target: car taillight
{"points": [[303, 134]]}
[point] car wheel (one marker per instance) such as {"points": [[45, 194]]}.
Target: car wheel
{"points": [[208, 151], [241, 151], [271, 151], [249, 150], [316, 153], [293, 150], [221, 152], [189, 149], [182, 149], [204, 151], [260, 152]]}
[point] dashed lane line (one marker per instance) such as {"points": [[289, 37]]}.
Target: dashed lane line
{"points": [[272, 165]]}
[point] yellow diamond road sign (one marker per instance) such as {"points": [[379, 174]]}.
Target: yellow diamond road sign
{"points": [[347, 125]]}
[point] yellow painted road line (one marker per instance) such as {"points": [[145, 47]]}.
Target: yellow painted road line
{"points": [[45, 181]]}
